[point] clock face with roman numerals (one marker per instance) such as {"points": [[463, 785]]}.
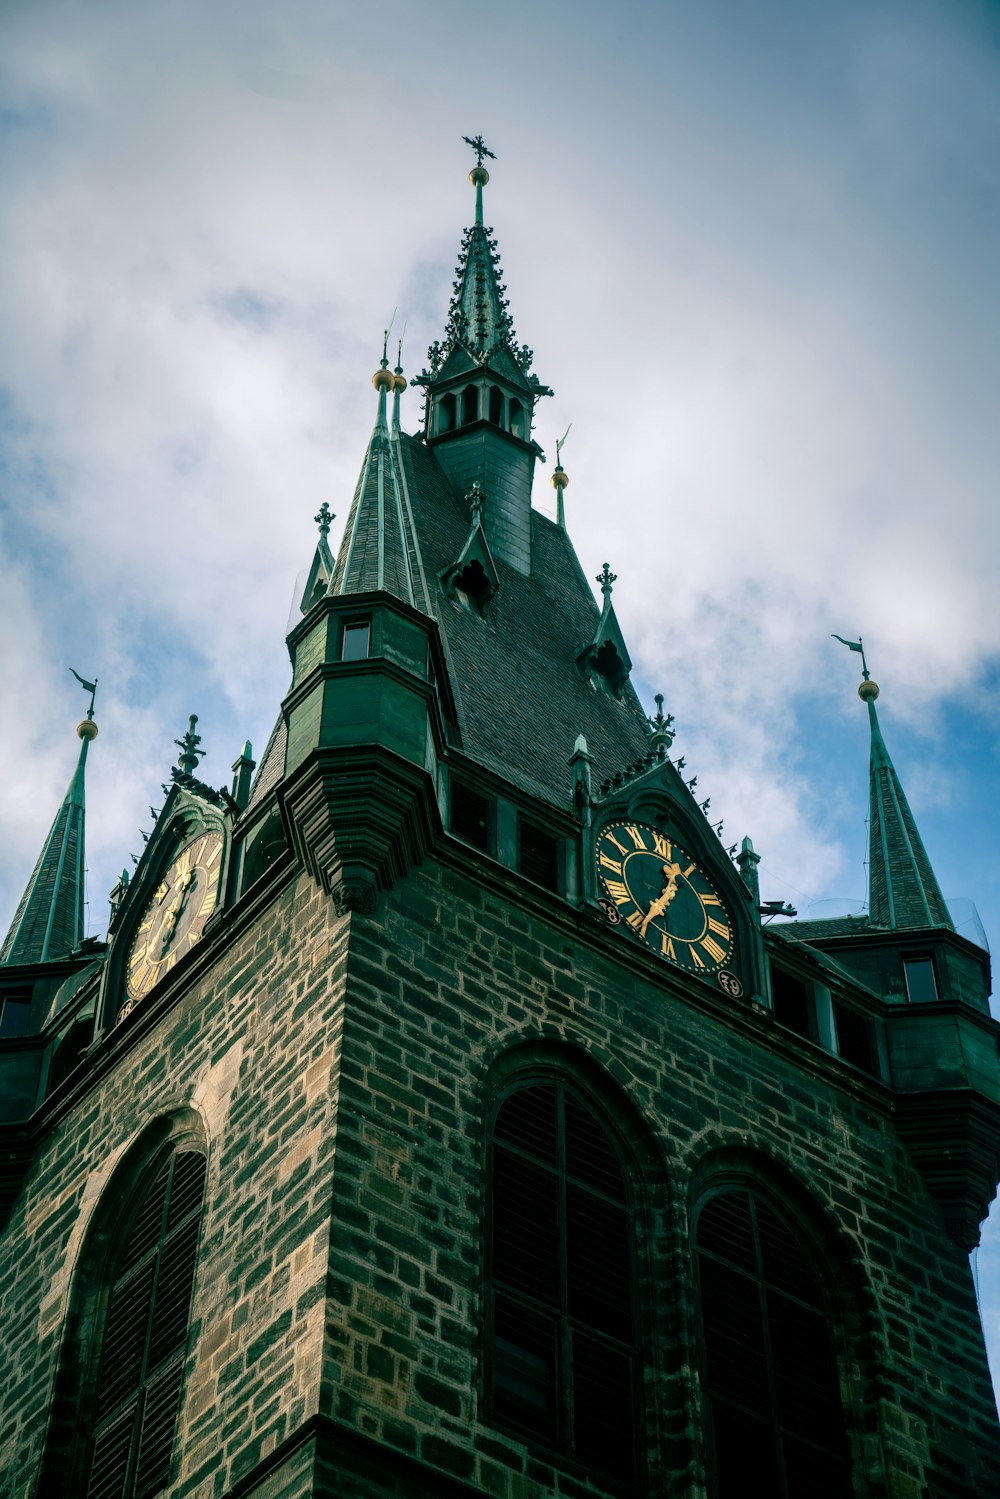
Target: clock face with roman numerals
{"points": [[665, 896], [175, 916]]}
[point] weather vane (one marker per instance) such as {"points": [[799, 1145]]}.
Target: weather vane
{"points": [[856, 645], [479, 146], [560, 444]]}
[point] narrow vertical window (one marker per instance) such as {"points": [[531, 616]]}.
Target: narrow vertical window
{"points": [[144, 1339], [356, 641], [921, 985], [768, 1365], [562, 1338]]}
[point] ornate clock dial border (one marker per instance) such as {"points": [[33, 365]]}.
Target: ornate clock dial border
{"points": [[663, 894]]}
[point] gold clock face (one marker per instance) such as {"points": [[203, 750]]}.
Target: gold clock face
{"points": [[176, 915], [665, 896]]}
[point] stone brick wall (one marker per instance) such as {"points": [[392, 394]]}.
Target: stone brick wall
{"points": [[342, 1069]]}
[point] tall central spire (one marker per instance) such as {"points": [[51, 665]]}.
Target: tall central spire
{"points": [[48, 922], [481, 391]]}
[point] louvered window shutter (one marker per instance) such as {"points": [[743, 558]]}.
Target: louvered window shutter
{"points": [[562, 1336], [145, 1336], [768, 1363]]}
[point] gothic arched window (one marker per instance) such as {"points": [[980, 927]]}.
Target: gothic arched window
{"points": [[562, 1332], [769, 1370], [143, 1341]]}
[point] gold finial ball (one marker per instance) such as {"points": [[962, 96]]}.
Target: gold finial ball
{"points": [[87, 729], [868, 691], [383, 379], [560, 479], [479, 176], [398, 382]]}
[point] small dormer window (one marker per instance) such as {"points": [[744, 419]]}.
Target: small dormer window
{"points": [[496, 406], [610, 666], [472, 587], [518, 425], [357, 637], [470, 404]]}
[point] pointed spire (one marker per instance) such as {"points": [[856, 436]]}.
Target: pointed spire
{"points": [[480, 330], [48, 922], [379, 550], [902, 888]]}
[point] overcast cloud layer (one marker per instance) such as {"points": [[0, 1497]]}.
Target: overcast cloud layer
{"points": [[755, 251]]}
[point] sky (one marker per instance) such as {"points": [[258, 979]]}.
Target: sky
{"points": [[754, 249]]}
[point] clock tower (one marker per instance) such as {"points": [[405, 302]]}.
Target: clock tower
{"points": [[441, 1115]]}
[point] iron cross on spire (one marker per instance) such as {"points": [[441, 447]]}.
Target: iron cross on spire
{"points": [[481, 149]]}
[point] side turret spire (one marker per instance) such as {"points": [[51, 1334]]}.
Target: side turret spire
{"points": [[379, 550], [902, 887], [48, 922]]}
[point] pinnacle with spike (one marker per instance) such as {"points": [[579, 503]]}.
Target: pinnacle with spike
{"points": [[190, 754], [607, 580]]}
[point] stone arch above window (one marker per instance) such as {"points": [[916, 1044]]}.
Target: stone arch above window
{"points": [[562, 1352], [768, 1351], [122, 1369]]}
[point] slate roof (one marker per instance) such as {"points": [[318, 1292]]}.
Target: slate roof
{"points": [[48, 922], [833, 926], [522, 699]]}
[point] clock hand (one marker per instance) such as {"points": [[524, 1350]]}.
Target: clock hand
{"points": [[662, 901], [174, 913]]}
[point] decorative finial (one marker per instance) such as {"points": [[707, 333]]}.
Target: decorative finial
{"points": [[607, 580], [323, 517], [383, 378], [560, 479], [476, 499], [91, 687], [399, 384], [190, 754], [662, 727], [867, 689], [481, 149], [479, 176]]}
